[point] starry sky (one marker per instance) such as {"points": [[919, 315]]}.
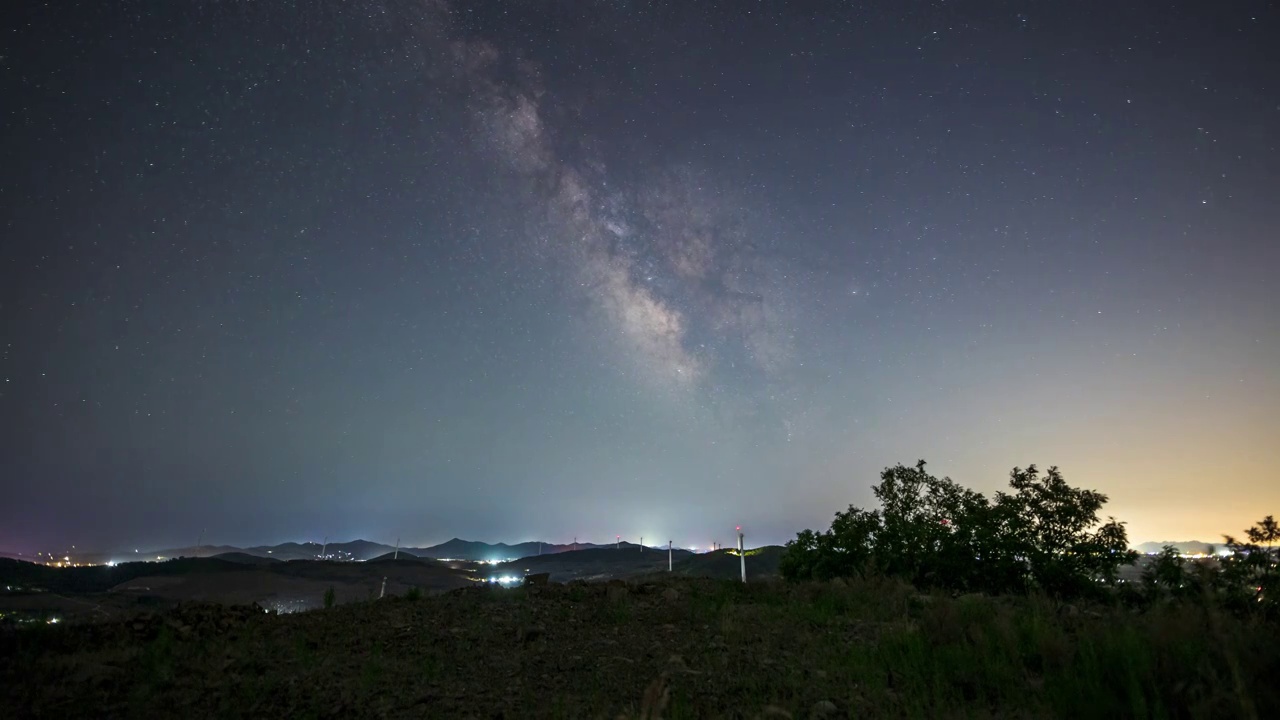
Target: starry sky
{"points": [[513, 270]]}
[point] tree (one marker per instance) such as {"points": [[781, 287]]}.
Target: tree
{"points": [[1166, 573], [1265, 533], [1051, 525], [843, 551], [1249, 571], [936, 533], [927, 526]]}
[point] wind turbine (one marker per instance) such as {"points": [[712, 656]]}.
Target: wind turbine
{"points": [[742, 555]]}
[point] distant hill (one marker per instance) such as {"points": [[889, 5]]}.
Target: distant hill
{"points": [[287, 551], [1188, 547], [245, 558], [460, 549], [202, 551], [595, 563], [394, 556], [352, 550], [357, 550], [725, 564]]}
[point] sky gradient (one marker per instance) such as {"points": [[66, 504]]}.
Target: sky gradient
{"points": [[518, 270]]}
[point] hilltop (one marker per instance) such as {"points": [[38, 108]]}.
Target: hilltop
{"points": [[656, 647]]}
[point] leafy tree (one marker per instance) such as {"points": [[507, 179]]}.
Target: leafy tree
{"points": [[925, 526], [1052, 524], [1265, 532], [801, 556], [848, 548], [1249, 576], [843, 551], [329, 597], [934, 532]]}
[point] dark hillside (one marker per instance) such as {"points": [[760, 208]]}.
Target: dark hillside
{"points": [[592, 564], [245, 558], [689, 648], [724, 564]]}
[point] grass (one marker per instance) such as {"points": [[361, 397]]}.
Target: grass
{"points": [[718, 649]]}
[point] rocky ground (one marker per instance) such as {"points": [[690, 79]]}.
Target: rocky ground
{"points": [[656, 647]]}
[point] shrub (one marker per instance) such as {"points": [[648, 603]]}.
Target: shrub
{"points": [[329, 597]]}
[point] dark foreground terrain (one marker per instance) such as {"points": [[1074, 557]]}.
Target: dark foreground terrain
{"points": [[661, 647]]}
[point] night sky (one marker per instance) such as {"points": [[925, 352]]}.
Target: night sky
{"points": [[514, 270]]}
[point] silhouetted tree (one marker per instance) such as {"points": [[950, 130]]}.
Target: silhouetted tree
{"points": [[1265, 531], [1166, 573], [1249, 576], [935, 532], [1052, 527]]}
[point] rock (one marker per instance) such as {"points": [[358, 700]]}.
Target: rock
{"points": [[671, 594], [773, 711], [823, 708], [1070, 610]]}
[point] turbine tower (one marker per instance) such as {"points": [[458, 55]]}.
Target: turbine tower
{"points": [[742, 555]]}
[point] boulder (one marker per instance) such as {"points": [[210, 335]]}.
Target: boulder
{"points": [[822, 709]]}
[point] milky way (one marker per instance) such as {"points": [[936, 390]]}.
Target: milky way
{"points": [[668, 266]]}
